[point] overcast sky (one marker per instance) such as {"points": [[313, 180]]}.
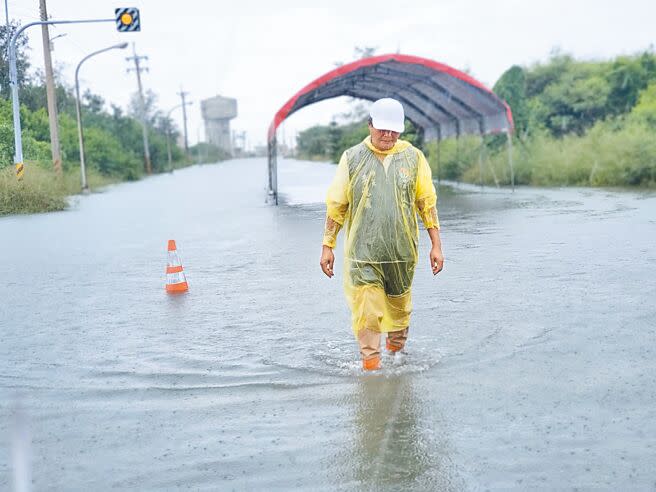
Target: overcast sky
{"points": [[262, 52]]}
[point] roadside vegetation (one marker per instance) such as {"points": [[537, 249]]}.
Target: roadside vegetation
{"points": [[41, 190], [112, 137], [579, 123]]}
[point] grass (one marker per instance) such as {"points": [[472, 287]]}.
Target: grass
{"points": [[605, 156], [41, 190]]}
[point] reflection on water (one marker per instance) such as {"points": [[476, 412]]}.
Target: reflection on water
{"points": [[388, 445], [396, 445]]}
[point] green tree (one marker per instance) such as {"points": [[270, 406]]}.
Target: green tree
{"points": [[314, 142], [571, 96], [150, 106], [334, 136], [22, 62], [511, 87], [92, 102], [645, 110], [351, 134], [627, 77], [540, 76]]}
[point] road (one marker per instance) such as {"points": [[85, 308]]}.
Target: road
{"points": [[530, 363]]}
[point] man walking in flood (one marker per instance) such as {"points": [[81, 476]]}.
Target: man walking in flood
{"points": [[380, 186]]}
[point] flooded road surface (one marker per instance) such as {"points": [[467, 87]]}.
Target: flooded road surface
{"points": [[531, 362]]}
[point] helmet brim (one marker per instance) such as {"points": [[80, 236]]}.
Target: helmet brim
{"points": [[381, 124]]}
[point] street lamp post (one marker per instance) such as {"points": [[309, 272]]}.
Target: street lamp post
{"points": [[78, 109]]}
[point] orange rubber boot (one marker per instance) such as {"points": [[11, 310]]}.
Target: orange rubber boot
{"points": [[390, 347], [371, 364]]}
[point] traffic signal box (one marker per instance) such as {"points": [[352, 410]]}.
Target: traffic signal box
{"points": [[127, 19]]}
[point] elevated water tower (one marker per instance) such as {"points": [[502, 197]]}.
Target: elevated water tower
{"points": [[217, 113]]}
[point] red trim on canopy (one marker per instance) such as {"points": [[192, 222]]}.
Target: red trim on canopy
{"points": [[284, 111]]}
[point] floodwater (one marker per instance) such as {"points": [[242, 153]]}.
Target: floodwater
{"points": [[531, 363]]}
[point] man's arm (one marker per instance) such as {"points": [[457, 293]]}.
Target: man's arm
{"points": [[336, 209], [436, 256], [329, 237], [426, 203]]}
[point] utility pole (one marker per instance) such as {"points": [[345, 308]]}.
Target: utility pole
{"points": [[168, 128], [182, 95], [198, 146], [168, 136], [239, 137], [50, 92], [144, 118]]}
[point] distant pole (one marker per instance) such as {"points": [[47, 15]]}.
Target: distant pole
{"points": [[198, 146], [51, 94], [78, 109], [144, 118], [7, 13], [168, 144], [168, 128], [168, 135], [182, 95]]}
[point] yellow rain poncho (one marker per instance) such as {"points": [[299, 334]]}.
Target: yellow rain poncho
{"points": [[377, 196]]}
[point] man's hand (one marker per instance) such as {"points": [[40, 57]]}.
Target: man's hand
{"points": [[436, 259], [436, 256], [327, 261]]}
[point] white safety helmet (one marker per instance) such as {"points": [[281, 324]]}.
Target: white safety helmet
{"points": [[387, 114]]}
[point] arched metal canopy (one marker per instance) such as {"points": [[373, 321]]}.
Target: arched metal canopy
{"points": [[439, 99]]}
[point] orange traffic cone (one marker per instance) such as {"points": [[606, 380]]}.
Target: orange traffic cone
{"points": [[175, 277]]}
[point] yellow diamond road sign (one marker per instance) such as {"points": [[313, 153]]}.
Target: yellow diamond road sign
{"points": [[127, 19]]}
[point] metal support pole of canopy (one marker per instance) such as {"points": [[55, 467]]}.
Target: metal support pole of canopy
{"points": [[274, 163], [510, 160], [272, 192], [439, 163], [266, 200], [489, 164], [480, 162], [269, 181]]}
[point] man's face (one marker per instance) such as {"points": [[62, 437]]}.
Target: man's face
{"points": [[383, 139]]}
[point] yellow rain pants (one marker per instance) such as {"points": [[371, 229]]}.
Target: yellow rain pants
{"points": [[377, 196]]}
